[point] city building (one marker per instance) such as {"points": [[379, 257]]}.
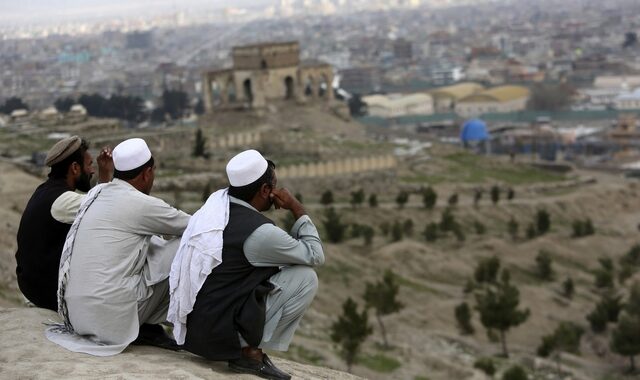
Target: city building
{"points": [[399, 105], [502, 99], [446, 98], [628, 101]]}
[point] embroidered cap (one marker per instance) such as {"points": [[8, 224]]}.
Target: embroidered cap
{"points": [[130, 154], [62, 149], [245, 168]]}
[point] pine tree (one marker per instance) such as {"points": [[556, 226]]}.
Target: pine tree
{"points": [[396, 231], [350, 331], [327, 198], [498, 308], [429, 198], [565, 338], [568, 288], [333, 226], [402, 198], [373, 201], [543, 265], [487, 270], [367, 233], [495, 194], [382, 297], [543, 222], [200, 145], [625, 338], [357, 197]]}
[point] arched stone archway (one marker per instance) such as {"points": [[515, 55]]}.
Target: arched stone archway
{"points": [[248, 91], [323, 86], [216, 92], [289, 88], [231, 93], [309, 85]]}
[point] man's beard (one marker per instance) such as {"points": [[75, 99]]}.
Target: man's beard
{"points": [[83, 183]]}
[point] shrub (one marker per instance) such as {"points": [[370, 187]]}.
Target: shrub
{"points": [[582, 228], [604, 274], [606, 310], [368, 232], [543, 222], [485, 365], [447, 220], [543, 265], [479, 228], [568, 288], [463, 318], [407, 227], [431, 232], [429, 198], [458, 233], [453, 200], [515, 373], [396, 231], [510, 194]]}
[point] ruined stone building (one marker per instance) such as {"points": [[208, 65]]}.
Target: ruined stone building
{"points": [[267, 72]]}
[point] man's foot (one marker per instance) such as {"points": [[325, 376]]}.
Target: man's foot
{"points": [[253, 361], [154, 335]]}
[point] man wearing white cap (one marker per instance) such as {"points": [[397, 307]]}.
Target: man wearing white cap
{"points": [[113, 275], [49, 214], [254, 299]]}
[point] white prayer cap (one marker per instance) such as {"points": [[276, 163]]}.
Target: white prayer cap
{"points": [[246, 167], [130, 154]]}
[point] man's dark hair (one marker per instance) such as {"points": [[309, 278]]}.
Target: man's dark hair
{"points": [[59, 170], [133, 173], [247, 192]]}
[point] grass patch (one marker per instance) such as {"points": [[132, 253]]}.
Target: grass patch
{"points": [[309, 356], [476, 169], [414, 285], [338, 271], [379, 363]]}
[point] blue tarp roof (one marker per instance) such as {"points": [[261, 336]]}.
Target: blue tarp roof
{"points": [[474, 130]]}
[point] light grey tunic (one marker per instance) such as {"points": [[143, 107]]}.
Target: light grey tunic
{"points": [[111, 274], [296, 283]]}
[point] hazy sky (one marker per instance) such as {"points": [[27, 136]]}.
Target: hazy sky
{"points": [[25, 11]]}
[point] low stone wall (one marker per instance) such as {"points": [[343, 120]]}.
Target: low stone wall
{"points": [[338, 167]]}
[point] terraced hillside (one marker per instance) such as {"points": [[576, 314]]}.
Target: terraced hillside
{"points": [[424, 339]]}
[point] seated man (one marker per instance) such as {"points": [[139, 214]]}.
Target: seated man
{"points": [[113, 275], [254, 299], [49, 214]]}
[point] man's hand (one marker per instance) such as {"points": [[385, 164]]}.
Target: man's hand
{"points": [[282, 198], [105, 165]]}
